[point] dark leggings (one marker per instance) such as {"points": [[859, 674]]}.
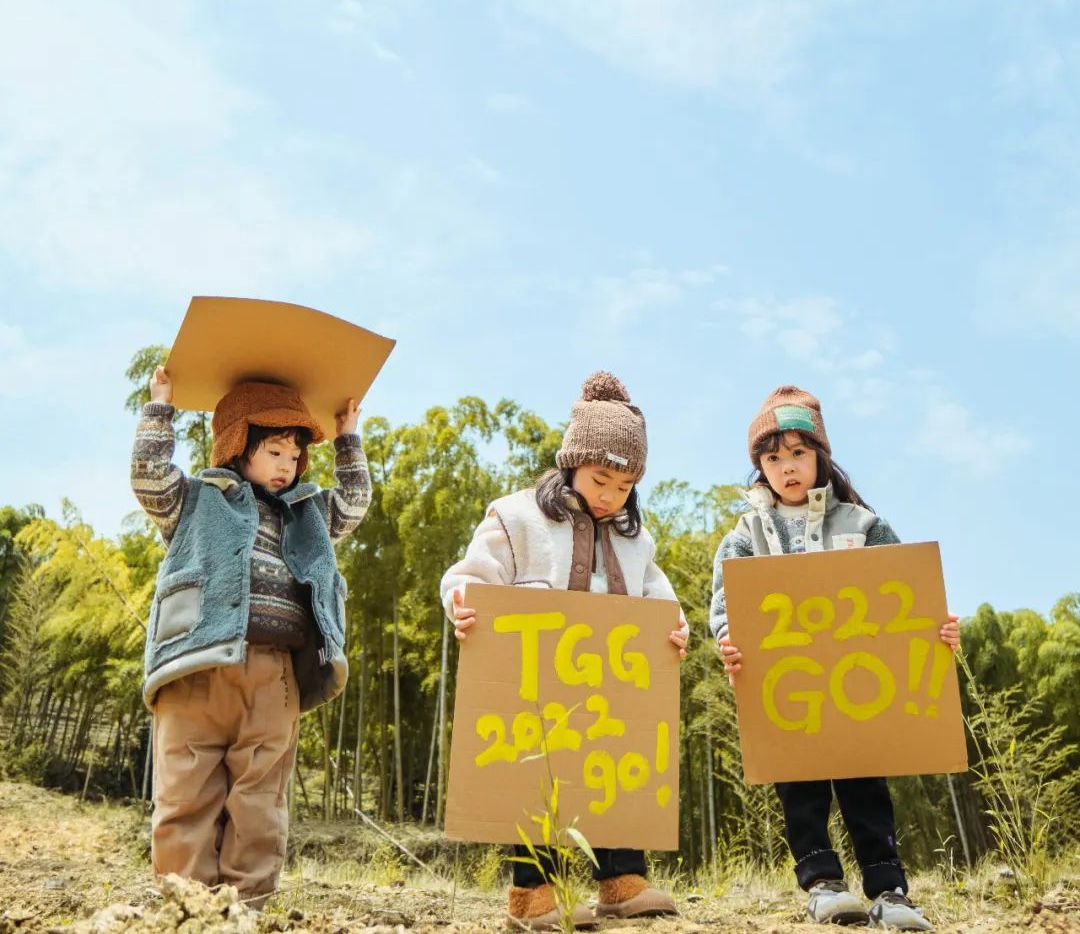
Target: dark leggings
{"points": [[612, 863], [867, 810]]}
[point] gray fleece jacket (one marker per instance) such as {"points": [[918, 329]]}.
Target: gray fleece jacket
{"points": [[828, 525]]}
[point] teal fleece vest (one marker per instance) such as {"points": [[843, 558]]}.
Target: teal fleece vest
{"points": [[200, 612]]}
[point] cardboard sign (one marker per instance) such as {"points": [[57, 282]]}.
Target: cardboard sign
{"points": [[225, 341], [591, 678], [844, 674]]}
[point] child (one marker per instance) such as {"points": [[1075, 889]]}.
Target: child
{"points": [[247, 626], [802, 501], [578, 529]]}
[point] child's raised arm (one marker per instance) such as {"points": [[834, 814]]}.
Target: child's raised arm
{"points": [[159, 485], [348, 502]]}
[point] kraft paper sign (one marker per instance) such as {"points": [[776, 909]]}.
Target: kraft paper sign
{"points": [[844, 674], [594, 680], [225, 341]]}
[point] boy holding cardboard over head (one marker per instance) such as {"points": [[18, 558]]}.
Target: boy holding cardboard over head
{"points": [[247, 628]]}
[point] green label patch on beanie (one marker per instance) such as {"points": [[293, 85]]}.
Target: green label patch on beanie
{"points": [[793, 418]]}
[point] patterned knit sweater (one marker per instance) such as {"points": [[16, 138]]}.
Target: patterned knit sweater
{"points": [[280, 611]]}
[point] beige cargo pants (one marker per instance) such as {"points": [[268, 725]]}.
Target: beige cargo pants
{"points": [[224, 748]]}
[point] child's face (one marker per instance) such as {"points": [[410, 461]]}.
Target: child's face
{"points": [[273, 465], [791, 469], [605, 489]]}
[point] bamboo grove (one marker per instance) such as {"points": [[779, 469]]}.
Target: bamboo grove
{"points": [[73, 607]]}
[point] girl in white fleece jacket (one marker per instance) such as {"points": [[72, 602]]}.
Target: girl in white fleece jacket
{"points": [[579, 528]]}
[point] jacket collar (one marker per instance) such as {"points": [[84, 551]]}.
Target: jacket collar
{"points": [[762, 499], [229, 480]]}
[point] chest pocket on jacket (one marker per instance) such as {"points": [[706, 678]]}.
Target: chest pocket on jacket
{"points": [[178, 611], [848, 540]]}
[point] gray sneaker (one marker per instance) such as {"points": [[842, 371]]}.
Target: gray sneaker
{"points": [[832, 903], [894, 910]]}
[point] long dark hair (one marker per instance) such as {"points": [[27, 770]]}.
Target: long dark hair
{"points": [[828, 471], [550, 491]]}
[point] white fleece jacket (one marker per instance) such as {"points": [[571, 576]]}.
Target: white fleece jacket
{"points": [[517, 544]]}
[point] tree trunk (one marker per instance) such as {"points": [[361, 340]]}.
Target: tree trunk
{"points": [[688, 784], [149, 759], [400, 781], [959, 820], [706, 849], [55, 718], [440, 796], [431, 757], [384, 764], [358, 762], [339, 771], [710, 787], [324, 717]]}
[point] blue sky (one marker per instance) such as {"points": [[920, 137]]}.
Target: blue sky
{"points": [[877, 201]]}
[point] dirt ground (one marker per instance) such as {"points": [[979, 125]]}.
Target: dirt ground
{"points": [[82, 868]]}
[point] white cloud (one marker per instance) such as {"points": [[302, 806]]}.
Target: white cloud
{"points": [[813, 332], [949, 431], [503, 102], [368, 22], [866, 396], [801, 326], [1036, 289], [485, 171], [121, 168], [31, 371], [1032, 278], [699, 43], [867, 360], [647, 290]]}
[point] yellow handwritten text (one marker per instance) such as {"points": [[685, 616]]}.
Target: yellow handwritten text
{"points": [[818, 613], [585, 668]]}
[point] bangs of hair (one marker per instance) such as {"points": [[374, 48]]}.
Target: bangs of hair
{"points": [[770, 444], [257, 434]]}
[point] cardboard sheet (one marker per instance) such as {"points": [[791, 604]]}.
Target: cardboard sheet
{"points": [[225, 341], [844, 674], [523, 666]]}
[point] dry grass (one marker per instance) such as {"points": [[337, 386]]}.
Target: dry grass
{"points": [[61, 861]]}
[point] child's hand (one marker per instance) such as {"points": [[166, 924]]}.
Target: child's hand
{"points": [[732, 659], [161, 386], [464, 617], [679, 637], [345, 421], [950, 632]]}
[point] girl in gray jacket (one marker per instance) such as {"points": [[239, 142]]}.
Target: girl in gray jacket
{"points": [[801, 501]]}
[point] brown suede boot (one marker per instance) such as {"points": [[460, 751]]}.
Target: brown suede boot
{"points": [[630, 896], [535, 909]]}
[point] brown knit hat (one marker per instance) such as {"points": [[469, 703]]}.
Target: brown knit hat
{"points": [[788, 408], [605, 429], [266, 404]]}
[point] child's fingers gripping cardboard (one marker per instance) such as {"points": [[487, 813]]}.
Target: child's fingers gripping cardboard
{"points": [[950, 632], [160, 386], [464, 616]]}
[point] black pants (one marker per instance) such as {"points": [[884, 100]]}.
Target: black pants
{"points": [[867, 810], [612, 863]]}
